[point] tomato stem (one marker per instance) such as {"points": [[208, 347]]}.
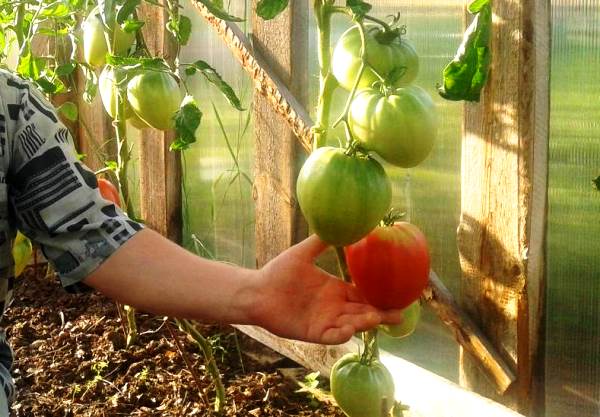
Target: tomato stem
{"points": [[371, 347], [342, 264]]}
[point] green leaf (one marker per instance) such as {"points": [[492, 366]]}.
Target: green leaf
{"points": [[213, 77], [181, 28], [358, 7], [69, 110], [126, 10], [112, 165], [30, 67], [466, 75], [596, 182], [56, 10], [185, 30], [187, 121], [477, 5], [132, 25], [65, 69], [268, 9], [2, 41], [48, 86], [129, 63], [216, 8]]}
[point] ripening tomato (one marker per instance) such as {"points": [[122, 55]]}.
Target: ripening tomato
{"points": [[95, 47], [342, 197], [362, 389], [390, 266], [155, 97], [22, 250], [400, 126], [391, 56], [108, 191], [410, 318]]}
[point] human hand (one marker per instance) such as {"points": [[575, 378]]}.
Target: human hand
{"points": [[300, 301]]}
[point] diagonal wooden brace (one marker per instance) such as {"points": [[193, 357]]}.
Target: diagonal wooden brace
{"points": [[437, 296]]}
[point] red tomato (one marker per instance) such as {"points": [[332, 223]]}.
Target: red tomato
{"points": [[108, 191], [390, 266]]}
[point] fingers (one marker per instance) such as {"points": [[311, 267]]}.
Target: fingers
{"points": [[337, 335], [310, 248], [347, 325], [391, 316]]}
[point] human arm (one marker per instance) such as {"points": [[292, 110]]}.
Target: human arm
{"points": [[290, 296]]}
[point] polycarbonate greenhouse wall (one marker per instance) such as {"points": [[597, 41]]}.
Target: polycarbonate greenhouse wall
{"points": [[220, 213]]}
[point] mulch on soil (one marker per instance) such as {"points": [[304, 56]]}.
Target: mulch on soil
{"points": [[70, 360]]}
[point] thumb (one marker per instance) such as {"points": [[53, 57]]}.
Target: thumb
{"points": [[309, 248]]}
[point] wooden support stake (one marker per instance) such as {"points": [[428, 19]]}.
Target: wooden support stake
{"points": [[278, 157], [160, 169], [267, 83], [504, 185]]}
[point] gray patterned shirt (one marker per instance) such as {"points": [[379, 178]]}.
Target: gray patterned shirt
{"points": [[50, 196]]}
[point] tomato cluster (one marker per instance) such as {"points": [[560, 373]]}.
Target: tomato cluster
{"points": [[389, 115], [345, 194], [150, 96]]}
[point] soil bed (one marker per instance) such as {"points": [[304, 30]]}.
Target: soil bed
{"points": [[70, 360]]}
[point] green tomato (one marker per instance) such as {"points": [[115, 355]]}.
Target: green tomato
{"points": [[342, 197], [95, 47], [362, 390], [410, 318], [22, 250], [108, 82], [395, 59], [400, 126], [155, 97]]}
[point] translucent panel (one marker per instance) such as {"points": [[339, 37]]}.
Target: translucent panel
{"points": [[430, 193], [573, 326], [218, 205]]}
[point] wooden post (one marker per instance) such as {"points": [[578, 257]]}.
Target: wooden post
{"points": [[501, 236], [283, 44], [160, 169]]}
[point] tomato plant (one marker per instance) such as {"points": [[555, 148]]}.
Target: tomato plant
{"points": [[95, 47], [342, 196], [399, 124], [362, 388], [22, 250], [108, 191], [410, 318], [390, 266], [388, 55], [155, 97]]}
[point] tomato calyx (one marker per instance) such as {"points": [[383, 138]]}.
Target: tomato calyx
{"points": [[392, 217], [388, 35]]}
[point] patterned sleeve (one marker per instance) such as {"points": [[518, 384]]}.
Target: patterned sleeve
{"points": [[55, 198]]}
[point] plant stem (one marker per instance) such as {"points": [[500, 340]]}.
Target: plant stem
{"points": [[327, 82], [385, 26], [342, 264], [211, 364], [363, 65], [371, 347]]}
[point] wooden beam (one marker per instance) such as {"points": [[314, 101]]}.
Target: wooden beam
{"points": [[504, 184], [278, 155], [468, 334], [160, 169]]}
